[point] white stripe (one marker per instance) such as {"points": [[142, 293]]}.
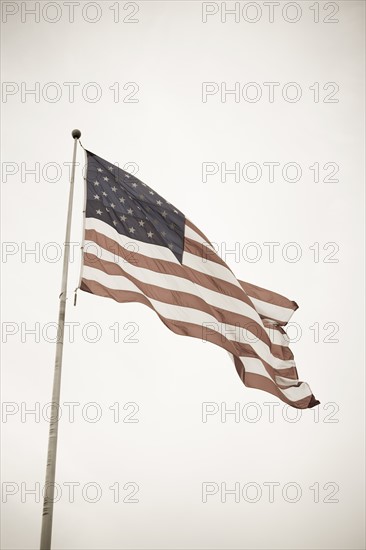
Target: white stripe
{"points": [[210, 268], [130, 244], [205, 265], [277, 337], [181, 313], [284, 381], [272, 311], [191, 234], [295, 393]]}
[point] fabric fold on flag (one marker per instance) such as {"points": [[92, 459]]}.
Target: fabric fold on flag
{"points": [[140, 248]]}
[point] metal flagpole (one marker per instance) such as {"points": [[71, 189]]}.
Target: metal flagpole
{"points": [[49, 487]]}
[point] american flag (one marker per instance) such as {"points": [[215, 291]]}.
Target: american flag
{"points": [[140, 248]]}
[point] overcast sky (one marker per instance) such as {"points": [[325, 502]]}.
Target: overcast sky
{"points": [[144, 438]]}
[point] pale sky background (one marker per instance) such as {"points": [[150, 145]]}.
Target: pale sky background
{"points": [[169, 453]]}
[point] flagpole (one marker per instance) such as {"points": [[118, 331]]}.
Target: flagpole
{"points": [[49, 488]]}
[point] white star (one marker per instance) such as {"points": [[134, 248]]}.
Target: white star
{"points": [[151, 193], [99, 212], [104, 194], [142, 223], [131, 230], [159, 203], [150, 234], [106, 179], [122, 199], [110, 168], [113, 205], [123, 218], [100, 170], [128, 176], [96, 197], [170, 245], [176, 211], [114, 189], [96, 183], [130, 211], [164, 214], [163, 233], [114, 222], [107, 209], [134, 185]]}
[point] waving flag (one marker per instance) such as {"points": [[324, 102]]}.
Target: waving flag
{"points": [[140, 248]]}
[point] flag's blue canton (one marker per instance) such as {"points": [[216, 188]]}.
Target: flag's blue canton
{"points": [[131, 207]]}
